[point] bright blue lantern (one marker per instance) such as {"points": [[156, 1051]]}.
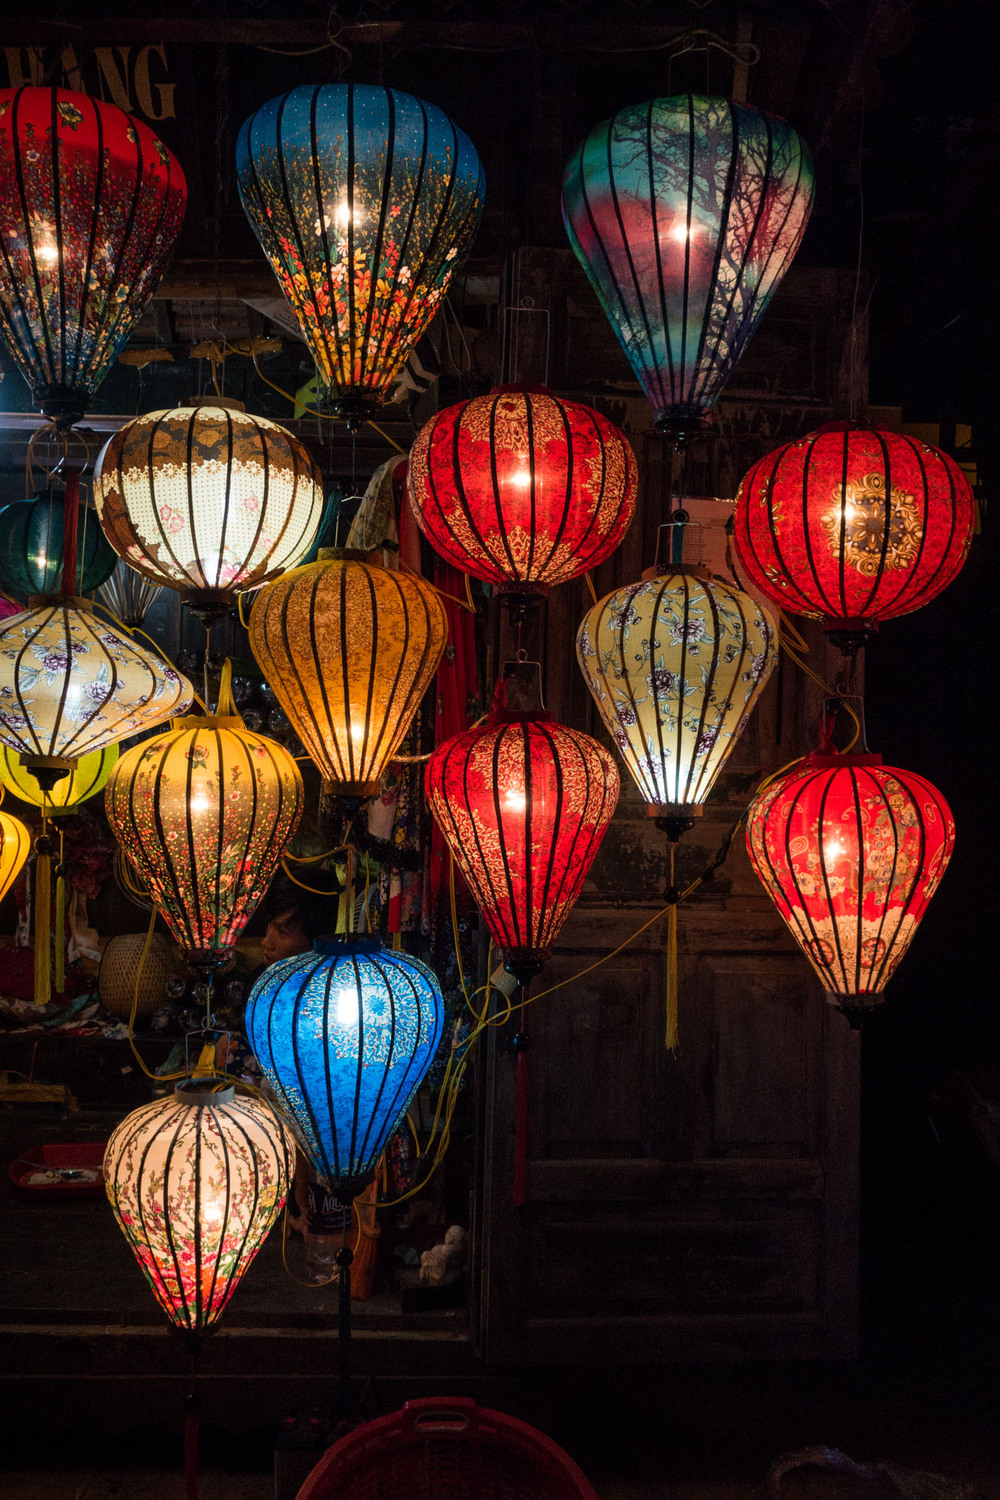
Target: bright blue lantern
{"points": [[345, 1036]]}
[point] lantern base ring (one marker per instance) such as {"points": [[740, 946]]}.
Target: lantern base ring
{"points": [[525, 963], [675, 818], [354, 408], [64, 405], [210, 605], [346, 1188], [208, 960], [48, 769], [851, 636], [854, 1007]]}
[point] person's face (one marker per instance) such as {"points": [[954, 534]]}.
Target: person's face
{"points": [[285, 936]]}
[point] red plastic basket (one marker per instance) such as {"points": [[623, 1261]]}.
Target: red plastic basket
{"points": [[446, 1450]]}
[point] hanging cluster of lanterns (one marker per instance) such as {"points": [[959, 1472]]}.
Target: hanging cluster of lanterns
{"points": [[685, 213]]}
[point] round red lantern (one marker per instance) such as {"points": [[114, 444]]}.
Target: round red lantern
{"points": [[850, 852], [853, 525], [521, 488], [523, 803]]}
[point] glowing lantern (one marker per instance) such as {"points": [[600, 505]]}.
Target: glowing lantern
{"points": [[685, 214], [85, 780], [15, 845], [521, 488], [208, 500], [196, 1181], [31, 558], [204, 813], [349, 649], [364, 200], [675, 665], [70, 685], [128, 594], [93, 204], [523, 803], [850, 852], [853, 525], [345, 1035]]}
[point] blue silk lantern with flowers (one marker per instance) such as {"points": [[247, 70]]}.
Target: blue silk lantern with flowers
{"points": [[345, 1035], [364, 200]]}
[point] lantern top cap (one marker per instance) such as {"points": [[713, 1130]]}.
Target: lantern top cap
{"points": [[344, 944], [524, 388], [199, 1093], [819, 759]]}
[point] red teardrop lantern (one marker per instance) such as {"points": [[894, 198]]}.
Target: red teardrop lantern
{"points": [[853, 525], [521, 488], [93, 204], [850, 852], [523, 803]]}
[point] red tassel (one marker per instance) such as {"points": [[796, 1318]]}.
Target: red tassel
{"points": [[71, 513], [521, 1133]]}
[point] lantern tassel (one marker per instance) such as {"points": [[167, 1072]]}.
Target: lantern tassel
{"points": [[521, 1133], [43, 926], [59, 973], [191, 1434], [671, 1035]]}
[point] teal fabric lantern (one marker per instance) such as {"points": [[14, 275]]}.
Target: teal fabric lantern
{"points": [[31, 549], [345, 1035], [685, 214]]}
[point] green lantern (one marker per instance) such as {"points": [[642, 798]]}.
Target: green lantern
{"points": [[31, 547]]}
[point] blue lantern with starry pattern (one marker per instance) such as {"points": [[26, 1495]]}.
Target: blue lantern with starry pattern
{"points": [[345, 1035]]}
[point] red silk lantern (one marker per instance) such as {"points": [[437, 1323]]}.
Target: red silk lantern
{"points": [[521, 488], [523, 803], [853, 525], [93, 204], [850, 852]]}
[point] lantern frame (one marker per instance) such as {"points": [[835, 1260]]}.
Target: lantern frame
{"points": [[522, 488], [850, 852], [674, 752], [342, 996], [525, 859], [206, 877], [94, 205], [853, 525], [194, 1257], [685, 213], [364, 200]]}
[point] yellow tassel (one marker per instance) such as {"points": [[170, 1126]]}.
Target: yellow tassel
{"points": [[671, 1037], [43, 929], [59, 973]]}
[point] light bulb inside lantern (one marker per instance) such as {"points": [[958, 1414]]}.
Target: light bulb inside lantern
{"points": [[515, 799], [346, 1005], [521, 477], [47, 251], [213, 1211], [681, 233], [345, 216], [833, 849]]}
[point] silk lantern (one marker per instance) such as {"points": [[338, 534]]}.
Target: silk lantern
{"points": [[196, 1180], [345, 1035], [853, 525], [208, 500], [204, 813], [349, 648], [31, 554], [685, 214], [70, 685], [15, 846], [85, 780], [850, 851], [523, 803], [128, 594], [364, 200], [93, 205], [522, 488], [675, 665]]}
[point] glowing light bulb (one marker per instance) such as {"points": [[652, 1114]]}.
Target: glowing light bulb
{"points": [[346, 1005], [213, 1211], [47, 251], [833, 849], [345, 216], [515, 799], [521, 477], [681, 233]]}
